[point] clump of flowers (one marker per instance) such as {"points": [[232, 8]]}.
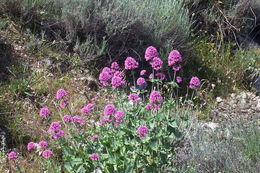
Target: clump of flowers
{"points": [[105, 76], [161, 76], [55, 129], [12, 155], [109, 110], [142, 130], [117, 81], [94, 156], [174, 59], [67, 118], [31, 146], [46, 154], [86, 109], [142, 72], [78, 120], [131, 63], [44, 112], [119, 116], [95, 137], [61, 93], [155, 97], [115, 66], [178, 79], [194, 82], [150, 53], [43, 144], [156, 63], [155, 100], [134, 97]]}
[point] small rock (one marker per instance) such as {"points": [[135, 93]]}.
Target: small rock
{"points": [[218, 99], [210, 125]]}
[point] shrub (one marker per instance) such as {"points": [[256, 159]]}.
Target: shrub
{"points": [[230, 148]]}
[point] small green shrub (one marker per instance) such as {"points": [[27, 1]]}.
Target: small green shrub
{"points": [[230, 148]]}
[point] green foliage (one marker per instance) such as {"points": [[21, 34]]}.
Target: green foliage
{"points": [[119, 146]]}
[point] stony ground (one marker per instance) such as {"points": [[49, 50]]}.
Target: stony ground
{"points": [[244, 104]]}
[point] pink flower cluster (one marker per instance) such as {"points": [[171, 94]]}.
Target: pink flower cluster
{"points": [[141, 81], [174, 59], [55, 129], [44, 112], [142, 130], [155, 100], [62, 96], [95, 137], [77, 120], [115, 66], [12, 155], [42, 144], [46, 154], [134, 97], [86, 109], [32, 145], [178, 79], [161, 76], [109, 111], [194, 82], [94, 156], [142, 72], [150, 53], [156, 63], [111, 76], [131, 63]]}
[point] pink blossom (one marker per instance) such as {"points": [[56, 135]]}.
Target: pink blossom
{"points": [[119, 116], [142, 130], [78, 120], [119, 74], [174, 57], [134, 97], [142, 72], [150, 53], [61, 93], [178, 79], [67, 118], [177, 67], [95, 137], [155, 96], [31, 146], [43, 144], [161, 76], [63, 105], [58, 134], [44, 112], [105, 77], [117, 81], [149, 106], [55, 126], [115, 65], [12, 155], [140, 81], [94, 156], [103, 120], [109, 110], [86, 109], [194, 82], [151, 76], [131, 63], [156, 63], [47, 154]]}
